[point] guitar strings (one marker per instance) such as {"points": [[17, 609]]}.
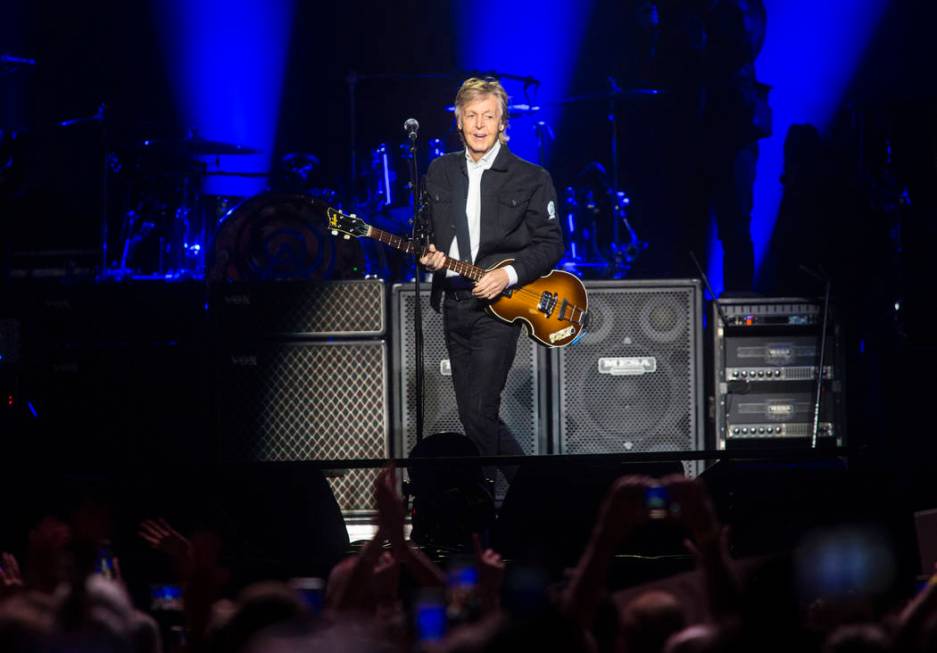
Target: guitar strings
{"points": [[525, 291], [409, 247]]}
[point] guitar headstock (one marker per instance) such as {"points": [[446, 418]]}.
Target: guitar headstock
{"points": [[350, 225]]}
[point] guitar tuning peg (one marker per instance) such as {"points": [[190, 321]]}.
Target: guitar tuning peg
{"points": [[347, 237], [334, 232]]}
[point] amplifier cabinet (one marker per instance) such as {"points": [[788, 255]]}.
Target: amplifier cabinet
{"points": [[633, 382], [522, 402], [302, 375], [294, 401], [299, 309], [766, 357]]}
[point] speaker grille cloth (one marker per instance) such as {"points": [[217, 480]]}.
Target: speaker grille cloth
{"points": [[337, 308], [308, 401], [644, 412], [518, 401], [354, 489], [304, 309]]}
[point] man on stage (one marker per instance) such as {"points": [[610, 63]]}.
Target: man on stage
{"points": [[488, 205]]}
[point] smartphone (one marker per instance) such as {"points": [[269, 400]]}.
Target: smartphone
{"points": [[104, 563], [166, 605], [311, 590], [462, 604], [165, 597], [657, 500], [430, 616]]}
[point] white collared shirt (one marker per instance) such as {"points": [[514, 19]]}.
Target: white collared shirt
{"points": [[473, 208]]}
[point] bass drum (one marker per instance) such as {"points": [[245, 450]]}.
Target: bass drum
{"points": [[281, 236]]}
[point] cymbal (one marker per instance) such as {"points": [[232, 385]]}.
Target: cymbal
{"points": [[11, 64], [195, 146], [98, 116]]}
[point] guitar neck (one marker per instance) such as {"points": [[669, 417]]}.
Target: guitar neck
{"points": [[461, 268]]}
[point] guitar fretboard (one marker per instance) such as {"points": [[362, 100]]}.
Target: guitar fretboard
{"points": [[461, 268]]}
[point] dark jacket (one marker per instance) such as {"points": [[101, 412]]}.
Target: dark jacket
{"points": [[519, 214]]}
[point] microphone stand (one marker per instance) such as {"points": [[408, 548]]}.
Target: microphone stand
{"points": [[819, 378], [719, 309], [417, 235], [821, 345]]}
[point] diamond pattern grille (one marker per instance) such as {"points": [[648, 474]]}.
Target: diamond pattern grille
{"points": [[309, 401], [303, 309], [336, 308], [354, 489], [653, 411]]}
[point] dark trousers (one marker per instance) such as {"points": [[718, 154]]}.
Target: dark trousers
{"points": [[481, 352]]}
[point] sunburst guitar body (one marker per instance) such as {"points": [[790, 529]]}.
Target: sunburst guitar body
{"points": [[555, 307]]}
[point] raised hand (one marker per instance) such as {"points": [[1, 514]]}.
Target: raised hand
{"points": [[390, 518], [490, 574], [692, 507], [390, 510], [624, 509], [625, 506], [10, 577], [385, 578], [163, 537]]}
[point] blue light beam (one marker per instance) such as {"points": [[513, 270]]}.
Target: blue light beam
{"points": [[812, 50], [529, 38], [227, 61], [811, 53]]}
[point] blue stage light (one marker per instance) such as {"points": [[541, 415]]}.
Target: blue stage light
{"points": [[227, 61], [811, 52], [714, 271], [531, 38]]}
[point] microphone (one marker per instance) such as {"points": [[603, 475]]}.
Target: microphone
{"points": [[411, 127]]}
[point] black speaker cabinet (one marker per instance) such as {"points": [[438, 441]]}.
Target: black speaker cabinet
{"points": [[522, 402], [299, 309], [291, 401], [633, 382], [288, 391]]}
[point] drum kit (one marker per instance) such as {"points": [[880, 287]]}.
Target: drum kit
{"points": [[162, 227], [165, 225]]}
